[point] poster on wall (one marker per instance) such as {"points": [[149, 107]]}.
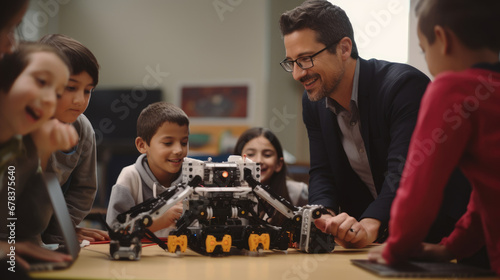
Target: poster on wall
{"points": [[219, 111], [213, 140], [215, 102]]}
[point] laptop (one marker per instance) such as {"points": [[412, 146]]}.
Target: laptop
{"points": [[424, 269], [71, 245]]}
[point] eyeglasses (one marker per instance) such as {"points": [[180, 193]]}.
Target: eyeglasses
{"points": [[304, 62]]}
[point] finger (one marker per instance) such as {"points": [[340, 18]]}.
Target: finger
{"points": [[64, 140], [68, 137], [94, 231], [372, 256], [344, 229], [353, 233], [341, 243], [333, 224], [96, 235], [104, 234], [360, 235], [100, 237], [104, 237], [64, 136], [73, 136], [86, 237], [38, 252], [331, 227], [57, 138], [349, 236], [23, 263], [320, 223], [376, 256], [354, 236]]}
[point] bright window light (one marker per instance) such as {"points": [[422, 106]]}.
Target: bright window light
{"points": [[380, 27]]}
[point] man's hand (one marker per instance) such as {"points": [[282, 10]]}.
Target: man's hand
{"points": [[33, 250], [91, 234], [348, 232]]}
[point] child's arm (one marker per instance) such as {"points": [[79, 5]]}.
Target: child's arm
{"points": [[466, 240], [76, 171], [29, 249], [82, 182], [125, 193], [468, 236], [52, 136], [168, 219], [435, 150], [120, 200]]}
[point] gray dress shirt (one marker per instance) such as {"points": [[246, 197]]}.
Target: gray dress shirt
{"points": [[352, 141]]}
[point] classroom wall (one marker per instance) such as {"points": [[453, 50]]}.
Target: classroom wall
{"points": [[284, 94], [182, 41], [169, 43], [416, 57]]}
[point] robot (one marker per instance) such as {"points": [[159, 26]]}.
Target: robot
{"points": [[220, 201]]}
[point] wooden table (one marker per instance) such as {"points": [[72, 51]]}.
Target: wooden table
{"points": [[94, 263]]}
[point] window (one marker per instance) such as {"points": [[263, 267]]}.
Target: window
{"points": [[380, 27]]}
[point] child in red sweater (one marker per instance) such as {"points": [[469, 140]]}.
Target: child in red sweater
{"points": [[458, 125]]}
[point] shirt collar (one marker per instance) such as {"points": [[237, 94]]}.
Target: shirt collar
{"points": [[355, 82]]}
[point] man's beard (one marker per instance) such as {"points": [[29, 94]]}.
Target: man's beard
{"points": [[325, 89], [316, 97]]}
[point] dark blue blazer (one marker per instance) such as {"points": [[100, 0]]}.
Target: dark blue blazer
{"points": [[389, 97]]}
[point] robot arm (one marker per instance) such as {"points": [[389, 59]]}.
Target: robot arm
{"points": [[264, 192], [132, 226], [155, 207], [309, 238]]}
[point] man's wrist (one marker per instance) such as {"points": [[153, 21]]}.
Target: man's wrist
{"points": [[372, 227]]}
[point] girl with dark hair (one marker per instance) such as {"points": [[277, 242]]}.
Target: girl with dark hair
{"points": [[262, 146]]}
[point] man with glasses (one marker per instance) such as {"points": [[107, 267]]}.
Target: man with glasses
{"points": [[360, 116]]}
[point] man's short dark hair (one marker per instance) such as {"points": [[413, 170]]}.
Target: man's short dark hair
{"points": [[155, 115], [475, 23], [329, 21], [80, 57]]}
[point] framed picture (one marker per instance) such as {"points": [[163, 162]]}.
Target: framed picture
{"points": [[216, 103], [213, 139]]}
